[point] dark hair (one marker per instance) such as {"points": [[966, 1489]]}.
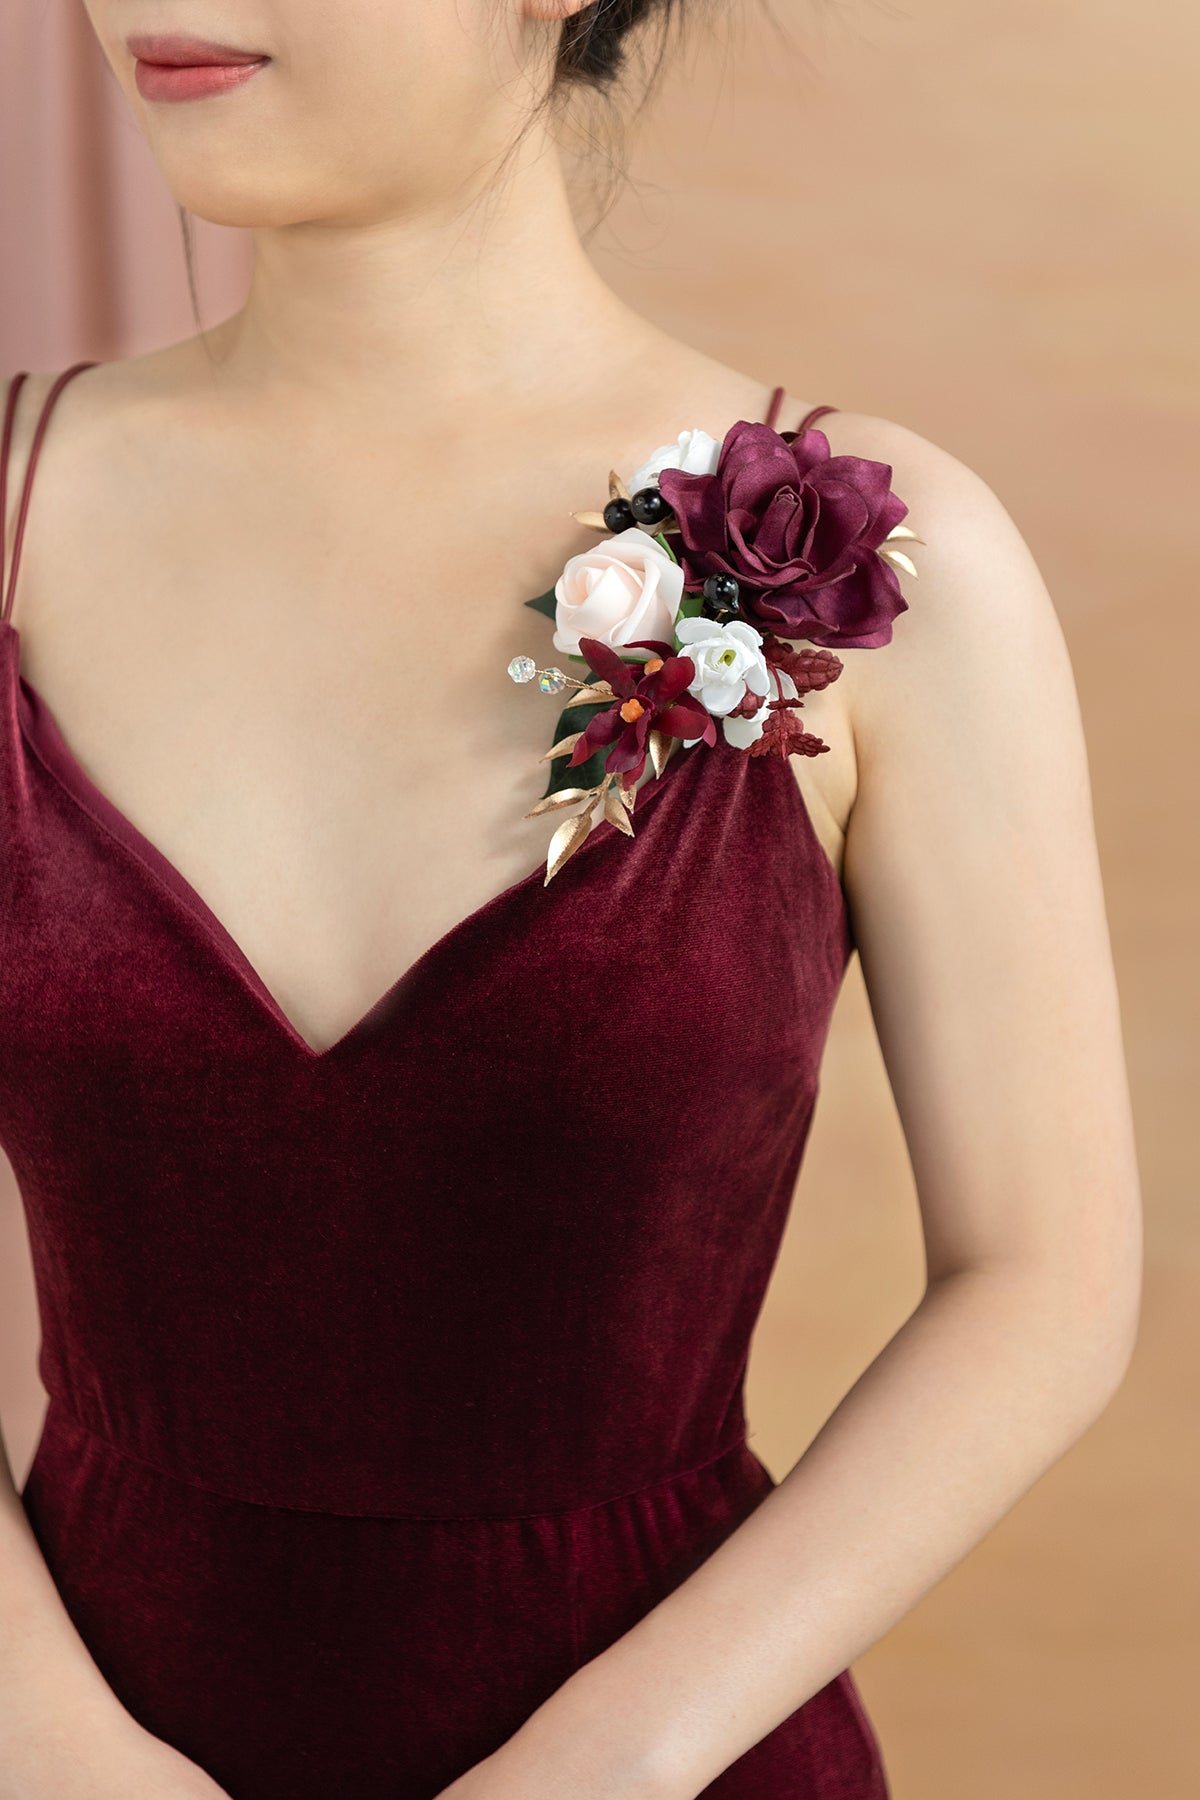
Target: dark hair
{"points": [[594, 58], [592, 48]]}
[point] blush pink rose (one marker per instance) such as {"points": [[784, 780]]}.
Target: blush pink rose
{"points": [[624, 588]]}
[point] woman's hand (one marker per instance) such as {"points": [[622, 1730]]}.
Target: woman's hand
{"points": [[574, 1747], [115, 1760]]}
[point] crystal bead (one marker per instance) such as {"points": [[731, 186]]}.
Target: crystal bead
{"points": [[522, 668], [552, 681]]}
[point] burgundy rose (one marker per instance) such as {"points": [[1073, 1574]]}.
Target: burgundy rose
{"points": [[656, 700], [798, 528]]}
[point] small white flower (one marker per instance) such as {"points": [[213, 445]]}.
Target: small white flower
{"points": [[695, 452], [728, 660], [741, 733]]}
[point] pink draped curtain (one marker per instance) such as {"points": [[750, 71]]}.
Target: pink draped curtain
{"points": [[91, 252]]}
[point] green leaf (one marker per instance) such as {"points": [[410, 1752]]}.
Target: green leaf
{"points": [[660, 539], [691, 606], [544, 603], [585, 774]]}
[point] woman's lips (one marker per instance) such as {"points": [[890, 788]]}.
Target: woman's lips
{"points": [[176, 68]]}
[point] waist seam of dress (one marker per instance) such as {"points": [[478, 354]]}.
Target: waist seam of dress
{"points": [[665, 1480]]}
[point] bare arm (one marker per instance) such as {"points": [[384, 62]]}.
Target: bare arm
{"points": [[973, 878], [46, 1673], [64, 1735]]}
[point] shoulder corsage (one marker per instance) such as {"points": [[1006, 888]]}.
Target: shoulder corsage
{"points": [[718, 555]]}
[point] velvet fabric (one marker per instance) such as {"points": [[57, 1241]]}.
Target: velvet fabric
{"points": [[390, 1384]]}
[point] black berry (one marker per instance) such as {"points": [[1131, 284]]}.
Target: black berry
{"points": [[648, 506], [618, 515]]}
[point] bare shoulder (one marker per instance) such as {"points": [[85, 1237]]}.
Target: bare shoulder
{"points": [[108, 396], [101, 445], [971, 765], [978, 609], [977, 617], [979, 622], [96, 403], [25, 395]]}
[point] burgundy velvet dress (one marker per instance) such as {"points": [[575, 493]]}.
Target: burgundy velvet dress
{"points": [[391, 1383]]}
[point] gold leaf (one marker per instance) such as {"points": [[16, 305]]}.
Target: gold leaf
{"points": [[592, 690], [595, 519], [563, 747], [560, 798], [903, 531], [616, 487], [660, 749], [898, 560], [628, 790], [566, 840], [615, 812]]}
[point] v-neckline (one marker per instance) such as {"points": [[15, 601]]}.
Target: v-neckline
{"points": [[42, 733]]}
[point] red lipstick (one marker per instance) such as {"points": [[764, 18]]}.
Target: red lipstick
{"points": [[186, 68]]}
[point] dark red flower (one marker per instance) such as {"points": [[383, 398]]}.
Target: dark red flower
{"points": [[798, 528], [655, 698]]}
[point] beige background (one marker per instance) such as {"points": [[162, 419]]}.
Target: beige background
{"points": [[976, 217]]}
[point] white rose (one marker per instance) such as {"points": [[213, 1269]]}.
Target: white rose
{"points": [[741, 733], [624, 588], [728, 660], [695, 452]]}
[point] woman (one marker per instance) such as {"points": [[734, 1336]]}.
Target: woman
{"points": [[401, 1207]]}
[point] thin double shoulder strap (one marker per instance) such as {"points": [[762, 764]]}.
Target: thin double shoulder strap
{"points": [[14, 389], [810, 417], [10, 408], [806, 421]]}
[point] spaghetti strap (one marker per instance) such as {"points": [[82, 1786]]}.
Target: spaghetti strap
{"points": [[773, 409], [808, 418], [14, 389], [10, 408], [806, 421]]}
